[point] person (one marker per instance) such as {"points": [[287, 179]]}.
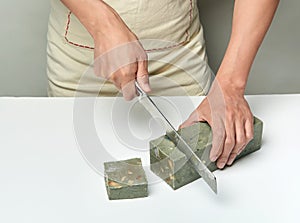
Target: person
{"points": [[110, 35]]}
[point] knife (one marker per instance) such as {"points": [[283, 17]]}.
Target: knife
{"points": [[181, 144]]}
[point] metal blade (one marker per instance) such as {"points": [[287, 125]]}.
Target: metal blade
{"points": [[181, 144]]}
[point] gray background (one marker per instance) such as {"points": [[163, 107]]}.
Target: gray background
{"points": [[23, 27]]}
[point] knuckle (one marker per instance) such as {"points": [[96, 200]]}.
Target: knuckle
{"points": [[250, 119], [144, 55], [219, 133], [229, 141], [221, 137], [218, 152], [241, 141], [114, 77], [229, 114], [126, 69], [125, 73], [141, 54], [249, 115], [250, 136]]}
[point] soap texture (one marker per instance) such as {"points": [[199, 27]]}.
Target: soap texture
{"points": [[171, 165], [125, 179]]}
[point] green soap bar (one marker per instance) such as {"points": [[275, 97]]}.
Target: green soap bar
{"points": [[125, 179], [170, 164]]}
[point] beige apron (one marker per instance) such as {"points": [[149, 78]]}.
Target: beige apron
{"points": [[169, 30]]}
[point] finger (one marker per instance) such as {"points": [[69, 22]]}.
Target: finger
{"points": [[240, 140], [249, 131], [201, 114], [129, 90], [187, 123], [127, 79], [229, 144], [193, 118], [124, 79], [218, 138], [124, 75], [142, 76], [115, 79]]}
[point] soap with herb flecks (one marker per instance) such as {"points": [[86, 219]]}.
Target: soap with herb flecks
{"points": [[171, 165], [125, 179]]}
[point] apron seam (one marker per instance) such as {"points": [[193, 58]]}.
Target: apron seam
{"points": [[67, 31]]}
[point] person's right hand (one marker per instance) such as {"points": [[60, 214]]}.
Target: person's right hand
{"points": [[120, 57]]}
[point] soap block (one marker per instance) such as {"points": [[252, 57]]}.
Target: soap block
{"points": [[125, 179], [171, 165]]}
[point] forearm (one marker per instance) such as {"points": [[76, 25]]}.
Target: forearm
{"points": [[119, 56], [95, 15], [251, 20]]}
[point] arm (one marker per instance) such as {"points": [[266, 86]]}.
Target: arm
{"points": [[225, 107], [251, 20], [119, 56]]}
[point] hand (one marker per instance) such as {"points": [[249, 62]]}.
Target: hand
{"points": [[120, 57], [227, 112]]}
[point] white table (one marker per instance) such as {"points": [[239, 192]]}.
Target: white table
{"points": [[45, 178]]}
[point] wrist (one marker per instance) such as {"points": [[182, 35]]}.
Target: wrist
{"points": [[231, 84], [233, 73], [102, 20], [236, 64]]}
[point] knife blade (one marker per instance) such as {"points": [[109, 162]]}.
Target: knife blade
{"points": [[181, 144]]}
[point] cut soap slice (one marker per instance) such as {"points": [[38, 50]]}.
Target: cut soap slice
{"points": [[170, 164], [125, 179]]}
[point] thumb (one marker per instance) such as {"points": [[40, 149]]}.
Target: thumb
{"points": [[142, 76], [192, 119]]}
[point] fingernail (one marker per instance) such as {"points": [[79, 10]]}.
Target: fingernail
{"points": [[147, 87], [221, 166], [214, 158], [230, 161]]}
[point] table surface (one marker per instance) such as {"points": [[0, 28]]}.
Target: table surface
{"points": [[47, 172]]}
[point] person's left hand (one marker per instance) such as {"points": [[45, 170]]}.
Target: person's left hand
{"points": [[227, 112]]}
